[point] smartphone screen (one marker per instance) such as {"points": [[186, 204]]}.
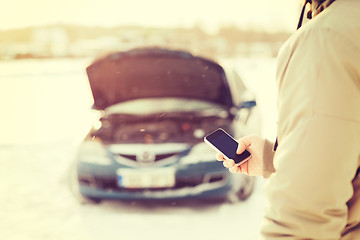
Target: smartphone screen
{"points": [[226, 144]]}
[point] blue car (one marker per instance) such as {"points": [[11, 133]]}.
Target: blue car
{"points": [[155, 107]]}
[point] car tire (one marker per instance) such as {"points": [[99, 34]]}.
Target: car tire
{"points": [[91, 200], [243, 191], [74, 187], [246, 190]]}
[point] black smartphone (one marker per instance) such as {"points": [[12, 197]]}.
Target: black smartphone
{"points": [[222, 142]]}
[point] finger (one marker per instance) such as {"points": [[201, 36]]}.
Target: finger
{"points": [[228, 163], [220, 157], [243, 143], [234, 169], [244, 168]]}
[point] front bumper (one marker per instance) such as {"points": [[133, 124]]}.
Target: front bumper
{"points": [[203, 191], [192, 182]]}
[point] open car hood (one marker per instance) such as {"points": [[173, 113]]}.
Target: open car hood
{"points": [[156, 73]]}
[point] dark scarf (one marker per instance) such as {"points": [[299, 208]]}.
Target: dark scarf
{"points": [[316, 7]]}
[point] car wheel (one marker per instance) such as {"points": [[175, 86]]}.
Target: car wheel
{"points": [[91, 200], [245, 191], [243, 186], [74, 187]]}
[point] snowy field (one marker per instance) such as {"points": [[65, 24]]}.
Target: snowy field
{"points": [[44, 114]]}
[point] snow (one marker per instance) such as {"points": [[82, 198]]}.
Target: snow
{"points": [[37, 145]]}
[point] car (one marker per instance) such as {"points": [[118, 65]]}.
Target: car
{"points": [[156, 105]]}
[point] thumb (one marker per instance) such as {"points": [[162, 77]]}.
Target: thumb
{"points": [[244, 143]]}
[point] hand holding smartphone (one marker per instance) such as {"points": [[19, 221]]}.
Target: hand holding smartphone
{"points": [[222, 142]]}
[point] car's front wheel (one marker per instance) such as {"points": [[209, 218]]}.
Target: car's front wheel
{"points": [[246, 190], [90, 200], [243, 186], [74, 187]]}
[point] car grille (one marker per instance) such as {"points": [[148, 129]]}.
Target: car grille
{"points": [[157, 157], [110, 183]]}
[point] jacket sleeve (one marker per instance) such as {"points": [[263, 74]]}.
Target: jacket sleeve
{"points": [[318, 131], [268, 158]]}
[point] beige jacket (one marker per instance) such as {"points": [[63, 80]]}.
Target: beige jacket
{"points": [[314, 192]]}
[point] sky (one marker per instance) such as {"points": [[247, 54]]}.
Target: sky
{"points": [[271, 15]]}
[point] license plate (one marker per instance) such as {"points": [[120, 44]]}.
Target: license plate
{"points": [[146, 178]]}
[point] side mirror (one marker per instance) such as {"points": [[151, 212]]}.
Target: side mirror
{"points": [[248, 104], [243, 111]]}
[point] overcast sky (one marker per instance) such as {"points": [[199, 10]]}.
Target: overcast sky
{"points": [[271, 15]]}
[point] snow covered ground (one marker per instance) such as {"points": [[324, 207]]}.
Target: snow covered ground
{"points": [[44, 113]]}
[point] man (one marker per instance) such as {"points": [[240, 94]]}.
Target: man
{"points": [[314, 181]]}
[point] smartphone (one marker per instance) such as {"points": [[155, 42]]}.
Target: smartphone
{"points": [[222, 142]]}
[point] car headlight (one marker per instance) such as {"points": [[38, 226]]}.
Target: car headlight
{"points": [[93, 151], [199, 153]]}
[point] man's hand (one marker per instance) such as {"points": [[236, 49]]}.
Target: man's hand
{"points": [[254, 165]]}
